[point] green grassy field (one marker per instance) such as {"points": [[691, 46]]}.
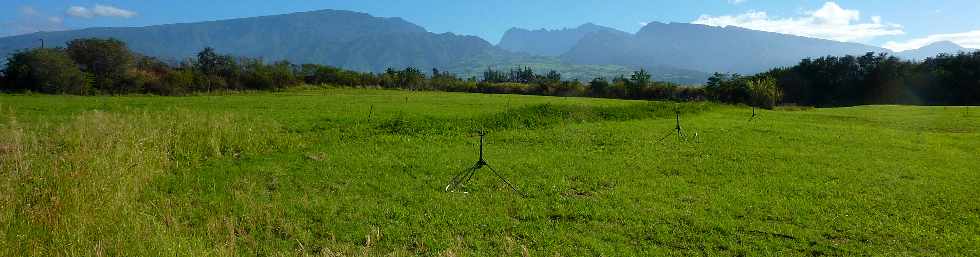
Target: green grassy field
{"points": [[353, 172]]}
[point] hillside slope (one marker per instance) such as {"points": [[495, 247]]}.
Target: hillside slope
{"points": [[932, 50], [705, 48], [341, 38]]}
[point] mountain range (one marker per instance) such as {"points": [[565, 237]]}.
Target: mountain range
{"points": [[544, 42], [346, 39], [705, 48], [931, 50], [677, 52], [692, 47]]}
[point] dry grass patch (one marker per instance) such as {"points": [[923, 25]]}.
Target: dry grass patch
{"points": [[74, 186]]}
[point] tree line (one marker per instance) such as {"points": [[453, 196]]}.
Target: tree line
{"points": [[106, 66], [873, 78], [94, 66]]}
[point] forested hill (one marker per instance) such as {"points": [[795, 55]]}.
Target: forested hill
{"points": [[347, 39]]}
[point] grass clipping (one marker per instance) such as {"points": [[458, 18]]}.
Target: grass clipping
{"points": [[79, 182]]}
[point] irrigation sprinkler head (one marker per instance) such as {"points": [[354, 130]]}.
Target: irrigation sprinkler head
{"points": [[677, 128], [463, 177]]}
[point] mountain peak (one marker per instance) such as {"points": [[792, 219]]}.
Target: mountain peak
{"points": [[591, 26], [932, 50], [946, 44], [654, 23], [548, 42]]}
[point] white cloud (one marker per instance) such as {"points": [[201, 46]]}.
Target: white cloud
{"points": [[100, 11], [27, 10], [970, 39], [105, 10], [736, 1], [78, 11], [644, 24], [829, 22]]}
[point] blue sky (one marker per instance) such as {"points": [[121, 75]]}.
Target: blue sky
{"points": [[897, 24]]}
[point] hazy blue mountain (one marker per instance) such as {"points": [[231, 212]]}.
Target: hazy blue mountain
{"points": [[705, 48], [544, 42], [475, 67], [341, 38], [932, 50], [543, 46], [345, 39], [677, 52]]}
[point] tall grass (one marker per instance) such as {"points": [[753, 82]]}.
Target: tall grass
{"points": [[322, 173], [73, 188], [86, 186]]}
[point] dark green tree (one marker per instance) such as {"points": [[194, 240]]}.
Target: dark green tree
{"points": [[208, 61], [494, 76], [282, 75], [553, 76], [108, 60], [598, 87], [637, 83], [219, 71], [47, 70], [641, 78]]}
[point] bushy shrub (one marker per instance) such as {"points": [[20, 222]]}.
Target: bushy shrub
{"points": [[108, 60], [46, 70], [764, 92], [176, 82], [135, 81]]}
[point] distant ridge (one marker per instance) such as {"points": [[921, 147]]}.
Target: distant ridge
{"points": [[677, 52], [544, 42], [341, 38], [932, 50], [706, 48]]}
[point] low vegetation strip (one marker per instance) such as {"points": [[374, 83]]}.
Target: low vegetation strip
{"points": [[539, 116]]}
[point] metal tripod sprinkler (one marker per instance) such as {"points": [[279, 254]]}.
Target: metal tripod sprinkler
{"points": [[463, 177]]}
